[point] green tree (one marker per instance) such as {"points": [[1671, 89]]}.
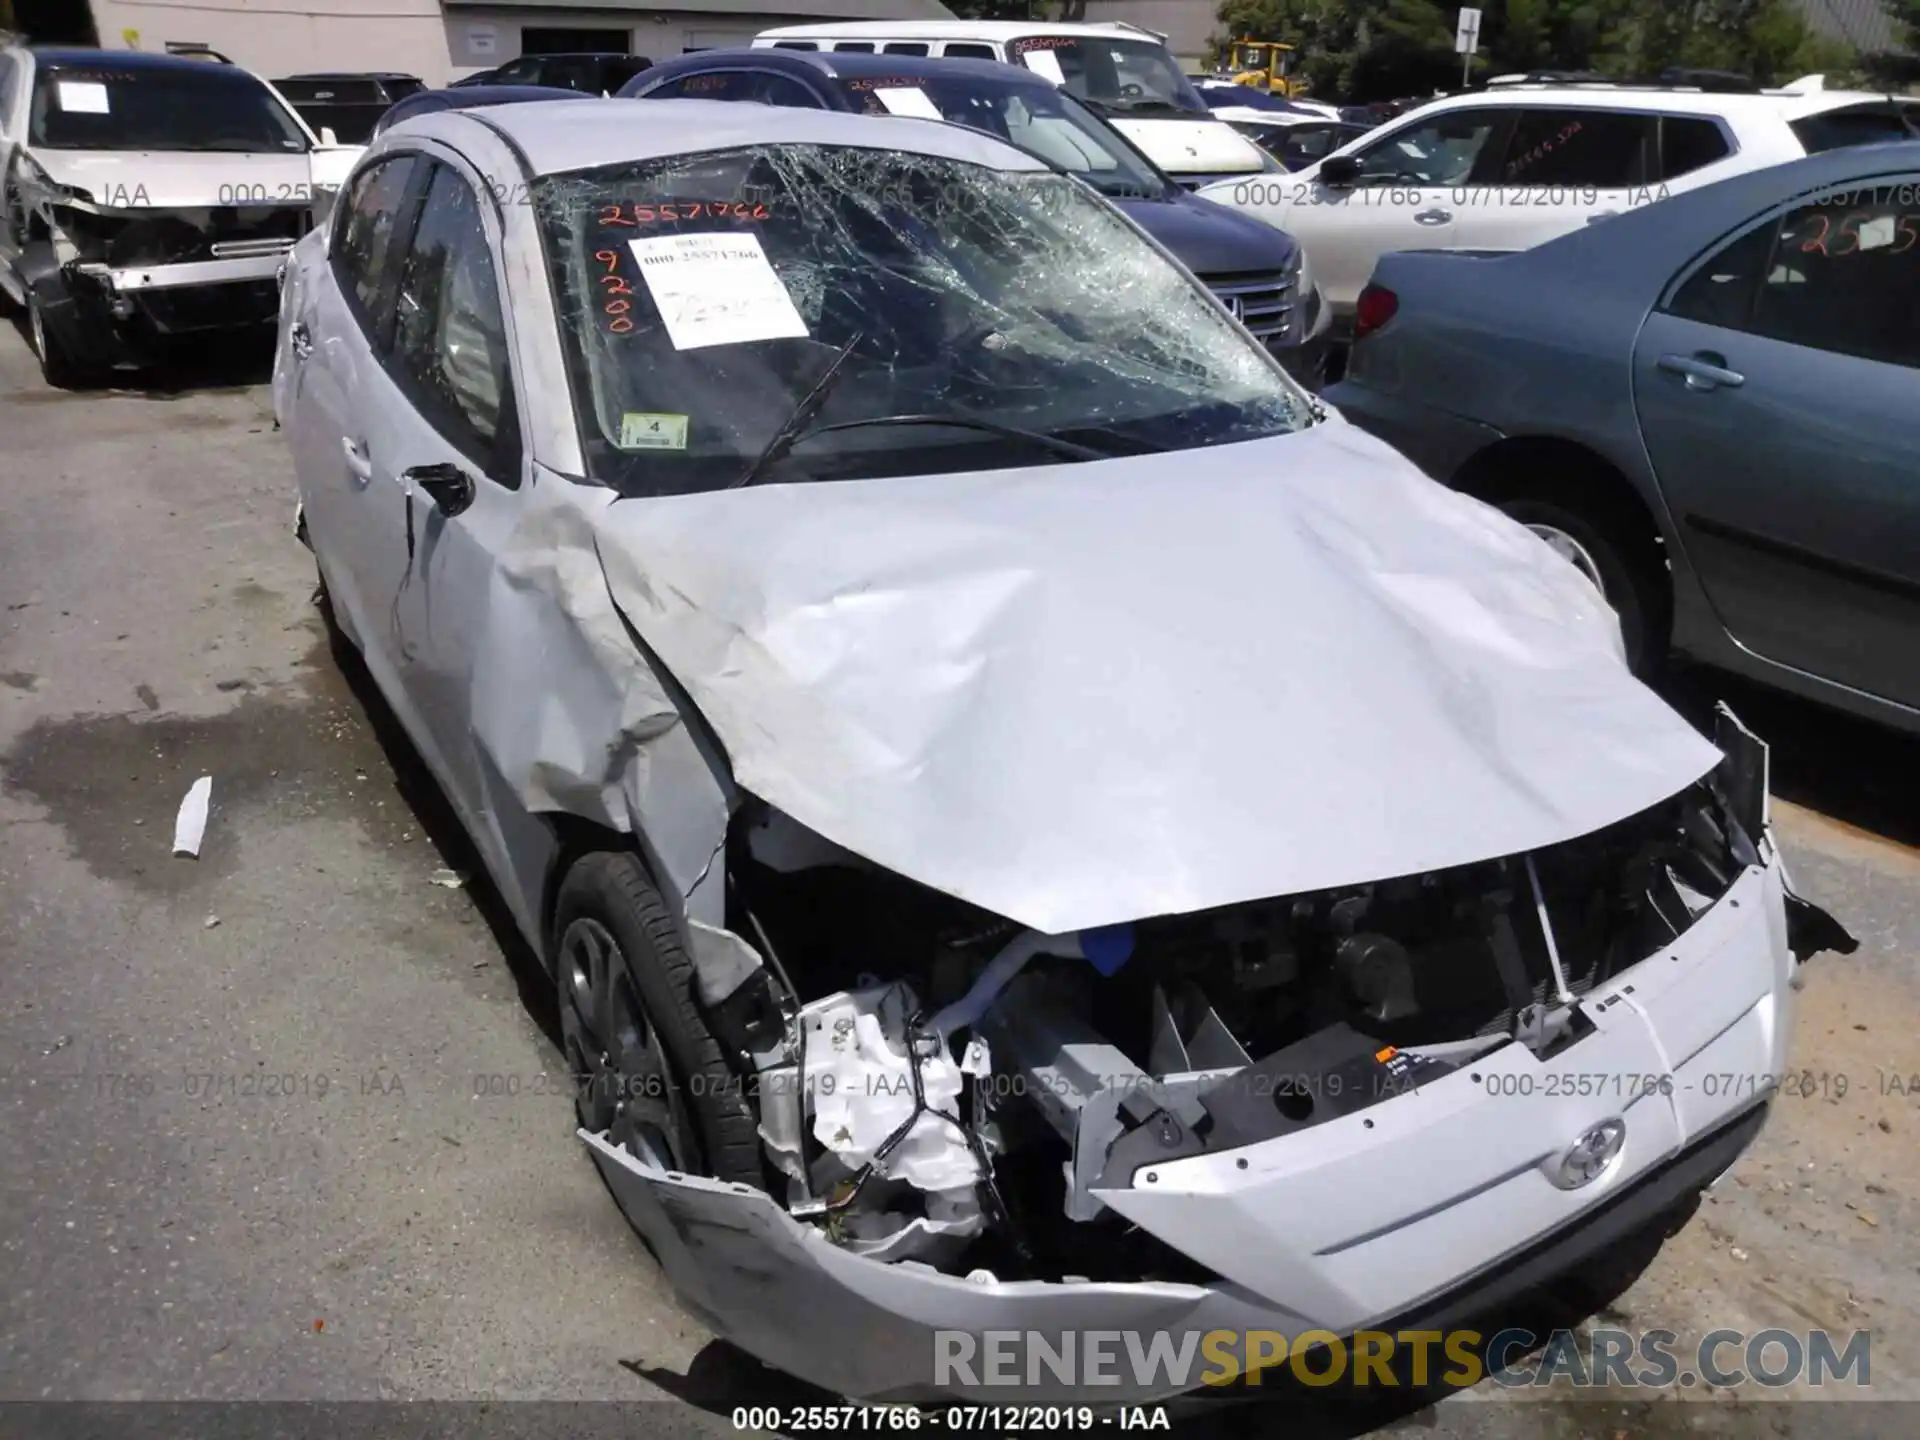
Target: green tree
{"points": [[1384, 49]]}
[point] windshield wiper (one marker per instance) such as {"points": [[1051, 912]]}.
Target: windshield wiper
{"points": [[954, 421], [974, 422], [795, 425]]}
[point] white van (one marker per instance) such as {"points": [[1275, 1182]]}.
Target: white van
{"points": [[1124, 73]]}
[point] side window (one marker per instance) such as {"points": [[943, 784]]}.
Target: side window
{"points": [[1440, 151], [1689, 143], [771, 89], [903, 47], [966, 50], [1723, 290], [1841, 275], [449, 342], [517, 72], [795, 45], [860, 47], [1581, 149], [363, 250]]}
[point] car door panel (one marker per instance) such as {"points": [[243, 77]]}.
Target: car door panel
{"points": [[348, 313], [453, 404], [1788, 463], [1413, 194]]}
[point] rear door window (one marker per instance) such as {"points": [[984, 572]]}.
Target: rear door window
{"points": [[1580, 149], [1841, 275], [904, 47]]}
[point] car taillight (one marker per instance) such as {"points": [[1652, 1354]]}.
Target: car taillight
{"points": [[1375, 307]]}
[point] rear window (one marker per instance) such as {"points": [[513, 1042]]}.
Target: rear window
{"points": [[1872, 124], [1688, 143], [137, 107]]}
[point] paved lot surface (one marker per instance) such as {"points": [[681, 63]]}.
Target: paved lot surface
{"points": [[285, 1123]]}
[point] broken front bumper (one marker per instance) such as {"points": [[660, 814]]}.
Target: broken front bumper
{"points": [[1350, 1224], [111, 316]]}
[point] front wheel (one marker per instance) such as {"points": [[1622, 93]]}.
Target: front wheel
{"points": [[648, 1072], [1627, 570], [57, 365]]}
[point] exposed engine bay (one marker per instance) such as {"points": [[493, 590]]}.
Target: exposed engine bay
{"points": [[933, 1083]]}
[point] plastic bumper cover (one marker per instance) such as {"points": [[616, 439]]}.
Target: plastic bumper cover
{"points": [[1324, 1229]]}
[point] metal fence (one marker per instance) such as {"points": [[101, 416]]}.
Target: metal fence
{"points": [[1863, 24]]}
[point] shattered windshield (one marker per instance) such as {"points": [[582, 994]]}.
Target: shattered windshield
{"points": [[1048, 123], [704, 298], [1124, 77], [147, 108]]}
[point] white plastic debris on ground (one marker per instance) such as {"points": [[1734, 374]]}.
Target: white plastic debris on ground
{"points": [[190, 826], [860, 1077]]}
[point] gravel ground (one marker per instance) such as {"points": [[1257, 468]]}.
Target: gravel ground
{"points": [[285, 1123]]}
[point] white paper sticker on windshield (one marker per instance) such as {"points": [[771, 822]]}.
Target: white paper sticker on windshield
{"points": [[644, 430], [1045, 64], [81, 97], [716, 289], [908, 100]]}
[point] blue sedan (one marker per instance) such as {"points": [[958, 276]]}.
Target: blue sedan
{"points": [[1256, 270], [1703, 403]]}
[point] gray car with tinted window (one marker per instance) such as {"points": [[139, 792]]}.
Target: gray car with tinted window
{"points": [[1703, 404]]}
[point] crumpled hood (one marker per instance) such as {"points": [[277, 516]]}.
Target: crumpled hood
{"points": [[1083, 694], [180, 180]]}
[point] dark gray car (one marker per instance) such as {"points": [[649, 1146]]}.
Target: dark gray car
{"points": [[1705, 403]]}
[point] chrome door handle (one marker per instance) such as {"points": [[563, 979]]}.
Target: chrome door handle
{"points": [[1433, 217], [358, 461], [1705, 371], [300, 338]]}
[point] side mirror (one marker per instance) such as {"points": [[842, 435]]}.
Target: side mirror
{"points": [[1339, 172], [327, 136], [448, 486]]}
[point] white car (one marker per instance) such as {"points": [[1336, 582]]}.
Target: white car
{"points": [[1123, 73], [1035, 825], [1520, 163], [147, 196]]}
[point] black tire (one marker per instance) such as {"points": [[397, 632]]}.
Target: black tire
{"points": [[714, 1131], [1630, 567], [57, 367]]}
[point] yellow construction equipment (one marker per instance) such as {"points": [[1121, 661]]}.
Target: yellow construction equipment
{"points": [[1266, 64]]}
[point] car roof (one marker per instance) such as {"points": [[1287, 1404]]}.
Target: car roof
{"points": [[557, 138], [859, 65], [992, 30], [473, 97], [60, 57], [1771, 104], [353, 75]]}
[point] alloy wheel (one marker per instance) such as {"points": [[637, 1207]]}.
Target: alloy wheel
{"points": [[1572, 551], [624, 1084]]}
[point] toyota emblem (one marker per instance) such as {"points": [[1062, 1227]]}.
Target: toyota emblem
{"points": [[1589, 1157]]}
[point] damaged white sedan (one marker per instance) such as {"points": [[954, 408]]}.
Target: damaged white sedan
{"points": [[1036, 826]]}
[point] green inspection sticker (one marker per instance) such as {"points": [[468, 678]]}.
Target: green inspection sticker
{"points": [[643, 430]]}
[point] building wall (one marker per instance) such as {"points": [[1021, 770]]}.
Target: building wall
{"points": [[1189, 25], [416, 37]]}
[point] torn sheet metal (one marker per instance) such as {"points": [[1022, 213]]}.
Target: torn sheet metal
{"points": [[569, 713], [1077, 696]]}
